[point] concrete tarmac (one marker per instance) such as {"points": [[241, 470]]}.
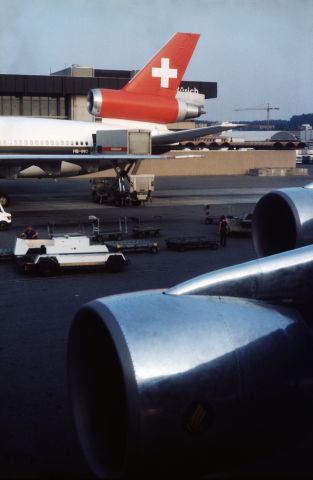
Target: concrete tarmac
{"points": [[36, 424]]}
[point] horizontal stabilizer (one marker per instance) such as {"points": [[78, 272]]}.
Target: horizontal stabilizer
{"points": [[183, 135]]}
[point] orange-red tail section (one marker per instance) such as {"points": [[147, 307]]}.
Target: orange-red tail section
{"points": [[151, 95], [163, 73]]}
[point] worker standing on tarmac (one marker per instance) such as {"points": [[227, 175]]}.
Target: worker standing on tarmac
{"points": [[29, 233], [223, 229]]}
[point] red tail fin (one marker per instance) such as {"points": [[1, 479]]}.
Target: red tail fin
{"points": [[163, 73]]}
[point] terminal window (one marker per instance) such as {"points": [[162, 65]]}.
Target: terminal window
{"points": [[33, 106]]}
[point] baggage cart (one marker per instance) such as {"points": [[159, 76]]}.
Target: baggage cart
{"points": [[133, 245], [187, 243], [141, 231], [101, 235]]}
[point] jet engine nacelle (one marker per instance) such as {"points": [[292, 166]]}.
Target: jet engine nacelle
{"points": [[175, 383], [283, 220], [214, 372], [141, 107]]}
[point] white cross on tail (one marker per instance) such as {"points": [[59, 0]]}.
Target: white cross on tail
{"points": [[164, 72]]}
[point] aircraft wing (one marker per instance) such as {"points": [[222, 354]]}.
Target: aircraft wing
{"points": [[182, 135], [9, 158], [11, 165]]}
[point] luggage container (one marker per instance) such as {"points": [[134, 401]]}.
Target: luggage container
{"points": [[132, 142]]}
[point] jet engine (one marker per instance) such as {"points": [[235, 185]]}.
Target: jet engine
{"points": [[283, 220], [141, 107], [209, 374]]}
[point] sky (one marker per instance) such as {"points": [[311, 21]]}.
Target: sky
{"points": [[258, 51]]}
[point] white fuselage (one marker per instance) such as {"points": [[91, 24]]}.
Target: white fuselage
{"points": [[32, 135], [33, 138]]}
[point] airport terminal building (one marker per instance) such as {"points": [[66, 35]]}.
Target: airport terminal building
{"points": [[63, 94]]}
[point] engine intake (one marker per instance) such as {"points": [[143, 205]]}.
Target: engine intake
{"points": [[166, 382], [283, 220], [213, 372]]}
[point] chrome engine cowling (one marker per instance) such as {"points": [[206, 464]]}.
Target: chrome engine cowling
{"points": [[163, 383], [94, 101], [283, 220], [214, 372], [187, 111]]}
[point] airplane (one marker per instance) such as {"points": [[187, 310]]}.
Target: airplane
{"points": [[41, 147]]}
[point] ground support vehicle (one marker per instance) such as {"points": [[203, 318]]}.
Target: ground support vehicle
{"points": [[214, 219], [210, 214], [5, 218], [142, 187], [132, 245], [186, 243], [240, 225], [237, 224], [111, 190], [123, 190], [61, 252]]}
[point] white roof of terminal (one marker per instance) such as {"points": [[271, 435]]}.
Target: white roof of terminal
{"points": [[252, 134]]}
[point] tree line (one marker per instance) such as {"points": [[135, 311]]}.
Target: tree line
{"points": [[297, 120], [294, 123]]}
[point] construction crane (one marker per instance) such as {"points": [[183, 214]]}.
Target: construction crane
{"points": [[268, 108]]}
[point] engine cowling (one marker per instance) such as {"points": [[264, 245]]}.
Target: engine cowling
{"points": [[169, 382], [213, 372], [107, 103], [283, 220]]}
